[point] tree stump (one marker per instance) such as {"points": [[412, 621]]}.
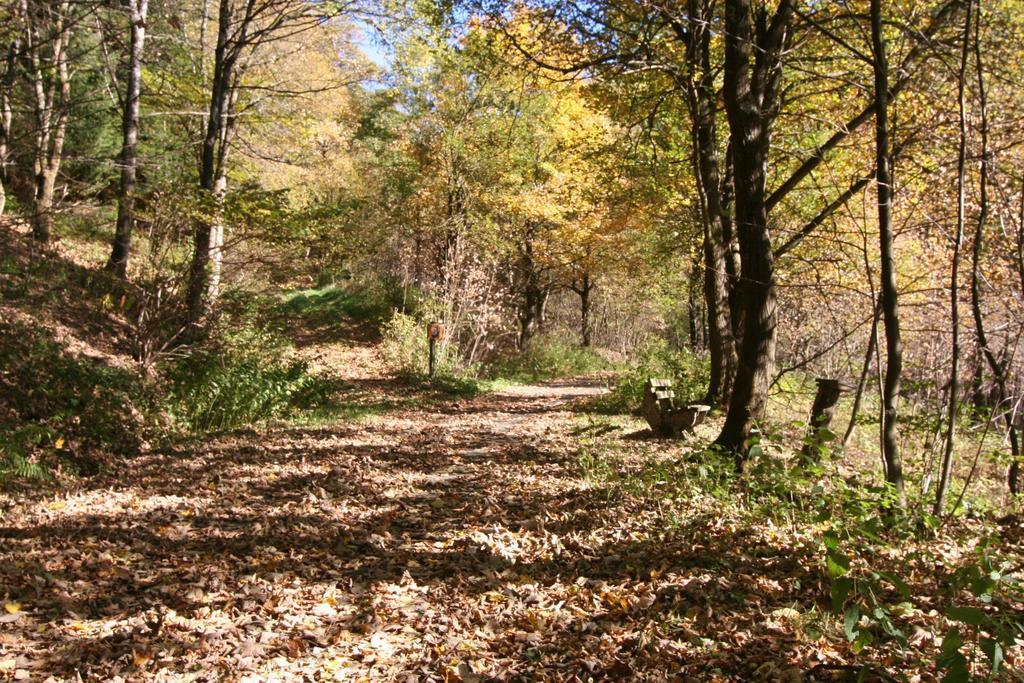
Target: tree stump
{"points": [[822, 411]]}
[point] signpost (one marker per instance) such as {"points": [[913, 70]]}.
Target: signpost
{"points": [[435, 333]]}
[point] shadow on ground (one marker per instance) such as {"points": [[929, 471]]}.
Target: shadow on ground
{"points": [[409, 545]]}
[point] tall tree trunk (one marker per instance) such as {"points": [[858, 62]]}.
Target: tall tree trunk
{"points": [[732, 250], [702, 97], [531, 313], [7, 81], [954, 277], [890, 312], [534, 296], [118, 262], [862, 380], [752, 74], [47, 34], [585, 289], [211, 154], [997, 368]]}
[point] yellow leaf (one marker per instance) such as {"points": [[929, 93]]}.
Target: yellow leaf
{"points": [[12, 607], [140, 658], [59, 443]]}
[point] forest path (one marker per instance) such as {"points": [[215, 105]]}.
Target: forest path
{"points": [[449, 541], [424, 542]]}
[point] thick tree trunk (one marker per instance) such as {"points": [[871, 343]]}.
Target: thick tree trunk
{"points": [[217, 239], [534, 295], [822, 411], [702, 97], [118, 262], [954, 278], [751, 91], [531, 314], [890, 312]]}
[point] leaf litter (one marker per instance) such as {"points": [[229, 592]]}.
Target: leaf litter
{"points": [[455, 542]]}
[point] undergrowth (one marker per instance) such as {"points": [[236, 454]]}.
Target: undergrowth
{"points": [[333, 303], [60, 408], [549, 356], [688, 372], [885, 572], [241, 377]]}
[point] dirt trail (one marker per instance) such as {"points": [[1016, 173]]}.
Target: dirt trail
{"points": [[453, 542], [351, 550]]}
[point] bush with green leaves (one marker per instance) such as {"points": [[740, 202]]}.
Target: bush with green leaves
{"points": [[689, 374], [404, 345], [333, 304], [406, 350], [549, 356], [59, 406], [20, 454], [240, 377]]}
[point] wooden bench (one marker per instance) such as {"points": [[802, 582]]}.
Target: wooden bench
{"points": [[662, 414]]}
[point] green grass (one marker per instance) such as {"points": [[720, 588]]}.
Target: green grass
{"points": [[332, 303], [549, 357]]}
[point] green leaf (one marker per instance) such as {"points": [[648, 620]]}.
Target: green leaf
{"points": [[967, 615], [958, 673], [952, 642], [994, 651], [850, 620], [841, 588], [951, 659], [864, 639], [838, 564]]}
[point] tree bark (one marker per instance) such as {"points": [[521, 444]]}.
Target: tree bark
{"points": [[225, 58], [585, 289], [7, 81], [954, 277], [118, 262], [534, 297], [47, 27], [997, 368], [822, 411], [890, 312], [702, 96], [752, 73], [732, 251]]}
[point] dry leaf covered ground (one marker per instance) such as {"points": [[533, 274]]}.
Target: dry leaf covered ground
{"points": [[458, 540]]}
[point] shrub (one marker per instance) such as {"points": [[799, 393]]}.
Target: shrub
{"points": [[552, 356], [404, 345], [57, 406], [332, 304], [689, 374], [238, 378]]}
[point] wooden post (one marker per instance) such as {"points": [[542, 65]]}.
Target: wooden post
{"points": [[822, 411], [435, 333]]}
